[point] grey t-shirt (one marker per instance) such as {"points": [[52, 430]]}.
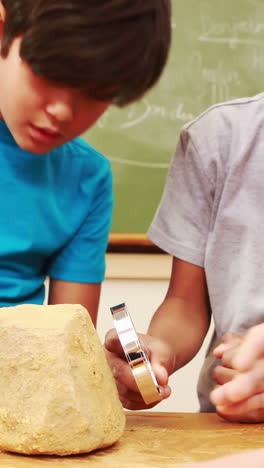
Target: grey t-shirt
{"points": [[212, 213]]}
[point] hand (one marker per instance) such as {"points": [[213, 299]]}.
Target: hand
{"points": [[159, 355], [240, 394]]}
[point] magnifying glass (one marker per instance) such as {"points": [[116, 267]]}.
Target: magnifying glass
{"points": [[135, 355]]}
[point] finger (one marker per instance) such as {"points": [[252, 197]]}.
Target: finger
{"points": [[121, 370], [126, 394], [241, 387], [249, 410], [133, 400], [122, 373], [112, 342], [157, 352], [229, 355], [226, 350], [229, 341], [223, 374], [124, 376], [220, 349], [232, 338], [246, 418], [135, 406], [251, 349]]}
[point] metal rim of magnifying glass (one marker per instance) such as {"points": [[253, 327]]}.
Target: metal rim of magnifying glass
{"points": [[135, 355]]}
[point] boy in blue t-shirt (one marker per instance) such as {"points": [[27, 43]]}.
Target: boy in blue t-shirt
{"points": [[62, 64]]}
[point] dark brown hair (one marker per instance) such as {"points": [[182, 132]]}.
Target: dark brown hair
{"points": [[112, 49]]}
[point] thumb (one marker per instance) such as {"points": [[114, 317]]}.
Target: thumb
{"points": [[160, 372], [160, 356], [162, 377]]}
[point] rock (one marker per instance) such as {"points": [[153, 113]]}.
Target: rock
{"points": [[57, 393]]}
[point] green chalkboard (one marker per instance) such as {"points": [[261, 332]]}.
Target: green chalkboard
{"points": [[217, 54]]}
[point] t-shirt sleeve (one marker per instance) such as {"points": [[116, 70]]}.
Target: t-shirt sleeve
{"points": [[82, 259], [182, 221]]}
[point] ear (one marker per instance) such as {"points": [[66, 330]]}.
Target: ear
{"points": [[2, 12], [2, 18]]}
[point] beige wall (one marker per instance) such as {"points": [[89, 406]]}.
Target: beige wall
{"points": [[141, 282]]}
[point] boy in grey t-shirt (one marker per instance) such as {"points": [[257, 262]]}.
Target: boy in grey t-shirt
{"points": [[211, 221]]}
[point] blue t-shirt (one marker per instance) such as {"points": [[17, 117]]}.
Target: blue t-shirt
{"points": [[55, 217]]}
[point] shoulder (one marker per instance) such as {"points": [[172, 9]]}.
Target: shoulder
{"points": [[217, 137], [229, 111], [224, 119]]}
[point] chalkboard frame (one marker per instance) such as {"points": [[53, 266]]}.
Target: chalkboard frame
{"points": [[120, 242]]}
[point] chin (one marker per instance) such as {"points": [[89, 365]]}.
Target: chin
{"points": [[32, 147]]}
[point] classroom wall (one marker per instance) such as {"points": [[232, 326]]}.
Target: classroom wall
{"points": [[141, 281]]}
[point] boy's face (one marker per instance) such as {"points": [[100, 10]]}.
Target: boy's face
{"points": [[41, 115]]}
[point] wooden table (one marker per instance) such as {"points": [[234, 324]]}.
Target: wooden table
{"points": [[157, 440]]}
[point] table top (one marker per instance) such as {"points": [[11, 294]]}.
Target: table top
{"points": [[153, 439]]}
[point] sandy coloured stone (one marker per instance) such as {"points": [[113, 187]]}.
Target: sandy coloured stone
{"points": [[57, 393]]}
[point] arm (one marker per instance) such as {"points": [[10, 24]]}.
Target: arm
{"points": [[175, 334], [66, 292], [183, 318], [77, 268], [240, 394]]}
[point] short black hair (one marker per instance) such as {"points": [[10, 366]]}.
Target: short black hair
{"points": [[111, 49]]}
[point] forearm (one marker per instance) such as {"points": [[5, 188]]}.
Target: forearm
{"points": [[183, 325], [66, 292]]}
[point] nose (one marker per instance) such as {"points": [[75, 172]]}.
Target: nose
{"points": [[61, 105]]}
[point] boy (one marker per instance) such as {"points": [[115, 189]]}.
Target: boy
{"points": [[211, 221], [62, 63]]}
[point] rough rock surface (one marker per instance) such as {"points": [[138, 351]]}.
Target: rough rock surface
{"points": [[57, 393]]}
